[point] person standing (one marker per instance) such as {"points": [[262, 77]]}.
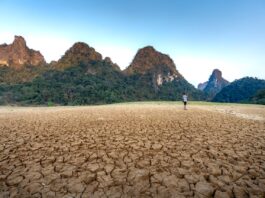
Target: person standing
{"points": [[185, 100]]}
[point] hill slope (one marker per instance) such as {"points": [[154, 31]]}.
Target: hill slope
{"points": [[158, 73], [241, 90], [259, 97]]}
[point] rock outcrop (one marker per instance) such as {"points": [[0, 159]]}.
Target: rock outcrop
{"points": [[148, 60], [82, 54], [17, 55], [114, 65], [214, 85], [79, 53]]}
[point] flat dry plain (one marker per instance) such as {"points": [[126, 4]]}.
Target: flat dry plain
{"points": [[133, 150]]}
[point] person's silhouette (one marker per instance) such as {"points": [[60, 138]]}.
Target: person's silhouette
{"points": [[185, 100]]}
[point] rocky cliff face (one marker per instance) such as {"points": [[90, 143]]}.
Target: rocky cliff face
{"points": [[214, 85], [82, 54], [79, 53], [148, 60], [17, 55]]}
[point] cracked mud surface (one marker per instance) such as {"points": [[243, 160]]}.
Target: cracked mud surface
{"points": [[130, 151]]}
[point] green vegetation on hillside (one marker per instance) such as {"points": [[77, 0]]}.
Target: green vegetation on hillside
{"points": [[98, 83], [78, 86], [25, 74], [242, 90], [259, 97]]}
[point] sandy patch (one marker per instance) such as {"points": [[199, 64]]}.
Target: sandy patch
{"points": [[252, 112]]}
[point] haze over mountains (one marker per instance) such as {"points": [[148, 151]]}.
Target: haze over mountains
{"points": [[82, 76]]}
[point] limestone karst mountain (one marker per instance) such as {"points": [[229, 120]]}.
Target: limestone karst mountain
{"points": [[214, 85], [82, 76], [17, 55], [82, 53], [157, 72], [149, 60]]}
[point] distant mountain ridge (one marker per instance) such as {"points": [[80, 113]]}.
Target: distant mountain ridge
{"points": [[82, 76], [214, 85]]}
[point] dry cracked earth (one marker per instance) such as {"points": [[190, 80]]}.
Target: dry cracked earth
{"points": [[130, 151]]}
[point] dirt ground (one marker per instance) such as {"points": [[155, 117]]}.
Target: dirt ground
{"points": [[252, 112], [132, 150]]}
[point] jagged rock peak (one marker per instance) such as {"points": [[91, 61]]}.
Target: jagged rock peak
{"points": [[148, 58], [17, 55], [19, 41], [84, 49], [82, 53], [150, 61], [217, 74], [214, 85], [79, 53], [80, 46]]}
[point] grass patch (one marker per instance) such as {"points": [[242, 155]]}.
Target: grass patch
{"points": [[191, 103]]}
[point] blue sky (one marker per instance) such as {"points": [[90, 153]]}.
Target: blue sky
{"points": [[199, 35]]}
